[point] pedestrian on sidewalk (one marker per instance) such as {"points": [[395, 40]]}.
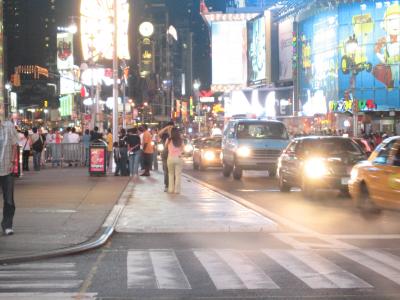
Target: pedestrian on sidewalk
{"points": [[117, 158], [133, 151], [174, 161], [141, 158], [86, 145], [155, 140], [164, 135], [25, 144], [37, 148], [96, 135], [8, 150], [109, 140], [123, 153], [147, 151]]}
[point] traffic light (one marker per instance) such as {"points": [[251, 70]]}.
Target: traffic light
{"points": [[45, 103]]}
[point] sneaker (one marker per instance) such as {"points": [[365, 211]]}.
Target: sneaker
{"points": [[8, 231]]}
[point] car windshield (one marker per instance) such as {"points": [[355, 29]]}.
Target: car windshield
{"points": [[262, 130], [212, 143], [332, 147]]}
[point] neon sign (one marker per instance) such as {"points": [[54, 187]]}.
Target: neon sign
{"points": [[348, 105]]}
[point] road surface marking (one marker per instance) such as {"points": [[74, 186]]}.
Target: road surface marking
{"points": [[47, 296], [220, 273], [49, 284], [250, 274], [382, 263], [37, 274], [39, 266], [315, 271], [168, 270], [155, 269]]}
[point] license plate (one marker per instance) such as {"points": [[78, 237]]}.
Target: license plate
{"points": [[345, 181]]}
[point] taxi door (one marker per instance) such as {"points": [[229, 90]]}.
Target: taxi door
{"points": [[392, 172]]}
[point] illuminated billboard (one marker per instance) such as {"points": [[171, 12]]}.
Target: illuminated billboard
{"points": [[1, 65], [259, 50], [97, 29], [229, 63], [369, 55], [66, 105], [65, 55], [285, 50]]}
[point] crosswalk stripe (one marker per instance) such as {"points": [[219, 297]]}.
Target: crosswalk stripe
{"points": [[340, 277], [155, 269], [381, 263], [219, 271], [315, 271], [140, 270], [49, 284], [250, 274], [41, 266], [168, 271], [37, 274], [47, 296]]}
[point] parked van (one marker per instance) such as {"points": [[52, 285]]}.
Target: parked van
{"points": [[252, 144]]}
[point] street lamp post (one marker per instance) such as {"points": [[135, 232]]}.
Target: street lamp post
{"points": [[196, 87], [115, 72]]}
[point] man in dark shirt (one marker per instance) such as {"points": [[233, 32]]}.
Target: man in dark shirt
{"points": [[133, 141], [96, 135]]}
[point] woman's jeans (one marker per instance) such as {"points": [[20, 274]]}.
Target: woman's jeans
{"points": [[36, 160], [174, 174], [134, 161]]}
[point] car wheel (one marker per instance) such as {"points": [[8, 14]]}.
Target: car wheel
{"points": [[237, 173], [284, 187], [202, 167], [307, 190], [226, 170], [364, 201]]}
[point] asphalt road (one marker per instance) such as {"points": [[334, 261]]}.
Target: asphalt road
{"points": [[342, 255]]}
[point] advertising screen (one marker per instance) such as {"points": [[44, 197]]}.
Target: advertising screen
{"points": [[65, 55], [369, 55], [285, 50], [97, 29], [97, 160], [229, 52], [256, 55], [318, 62]]}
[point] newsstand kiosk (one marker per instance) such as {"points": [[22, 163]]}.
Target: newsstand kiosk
{"points": [[97, 158]]}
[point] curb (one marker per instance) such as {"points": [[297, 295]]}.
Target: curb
{"points": [[99, 239]]}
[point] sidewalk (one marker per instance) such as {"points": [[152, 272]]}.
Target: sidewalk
{"points": [[57, 208], [197, 209]]}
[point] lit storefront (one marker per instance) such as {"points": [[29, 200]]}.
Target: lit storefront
{"points": [[349, 61]]}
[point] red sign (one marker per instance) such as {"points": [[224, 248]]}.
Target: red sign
{"points": [[97, 160]]}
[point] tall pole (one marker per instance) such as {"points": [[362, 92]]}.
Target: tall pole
{"points": [[115, 73]]}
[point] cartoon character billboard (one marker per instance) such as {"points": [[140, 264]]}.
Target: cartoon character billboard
{"points": [[369, 50], [318, 40]]}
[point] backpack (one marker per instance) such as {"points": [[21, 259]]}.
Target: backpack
{"points": [[38, 145]]}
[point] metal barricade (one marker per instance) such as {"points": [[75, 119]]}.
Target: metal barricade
{"points": [[71, 153]]}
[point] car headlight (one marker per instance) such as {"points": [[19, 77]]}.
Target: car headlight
{"points": [[160, 147], [209, 155], [243, 151], [354, 174], [188, 148], [315, 168]]}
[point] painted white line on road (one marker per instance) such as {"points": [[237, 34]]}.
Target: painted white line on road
{"points": [[220, 273], [337, 275], [49, 284], [314, 270], [380, 263], [37, 274], [250, 274], [140, 270], [39, 266], [47, 296], [155, 269], [168, 271]]}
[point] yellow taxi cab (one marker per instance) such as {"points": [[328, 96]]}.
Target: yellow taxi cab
{"points": [[375, 183]]}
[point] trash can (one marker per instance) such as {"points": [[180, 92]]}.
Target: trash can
{"points": [[97, 158]]}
